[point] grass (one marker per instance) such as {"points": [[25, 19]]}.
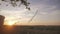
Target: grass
{"points": [[31, 29]]}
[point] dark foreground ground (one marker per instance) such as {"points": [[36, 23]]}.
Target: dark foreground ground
{"points": [[30, 30]]}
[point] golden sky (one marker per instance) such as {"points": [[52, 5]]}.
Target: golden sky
{"points": [[48, 13]]}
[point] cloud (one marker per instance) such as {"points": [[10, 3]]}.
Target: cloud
{"points": [[47, 2], [48, 10]]}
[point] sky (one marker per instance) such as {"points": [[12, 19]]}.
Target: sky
{"points": [[48, 12]]}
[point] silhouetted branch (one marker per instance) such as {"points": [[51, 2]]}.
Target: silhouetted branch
{"points": [[33, 16], [13, 3]]}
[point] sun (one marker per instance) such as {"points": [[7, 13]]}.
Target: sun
{"points": [[11, 23]]}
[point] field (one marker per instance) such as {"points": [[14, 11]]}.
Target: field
{"points": [[30, 29]]}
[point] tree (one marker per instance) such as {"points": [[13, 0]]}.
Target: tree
{"points": [[24, 2], [14, 3], [1, 20]]}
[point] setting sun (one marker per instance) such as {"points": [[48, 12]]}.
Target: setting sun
{"points": [[10, 21]]}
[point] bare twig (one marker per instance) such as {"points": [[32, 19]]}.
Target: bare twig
{"points": [[33, 16]]}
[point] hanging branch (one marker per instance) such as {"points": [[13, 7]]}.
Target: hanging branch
{"points": [[33, 16], [14, 4]]}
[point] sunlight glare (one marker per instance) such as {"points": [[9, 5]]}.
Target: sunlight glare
{"points": [[11, 23]]}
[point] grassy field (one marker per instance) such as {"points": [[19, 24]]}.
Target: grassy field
{"points": [[30, 29]]}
